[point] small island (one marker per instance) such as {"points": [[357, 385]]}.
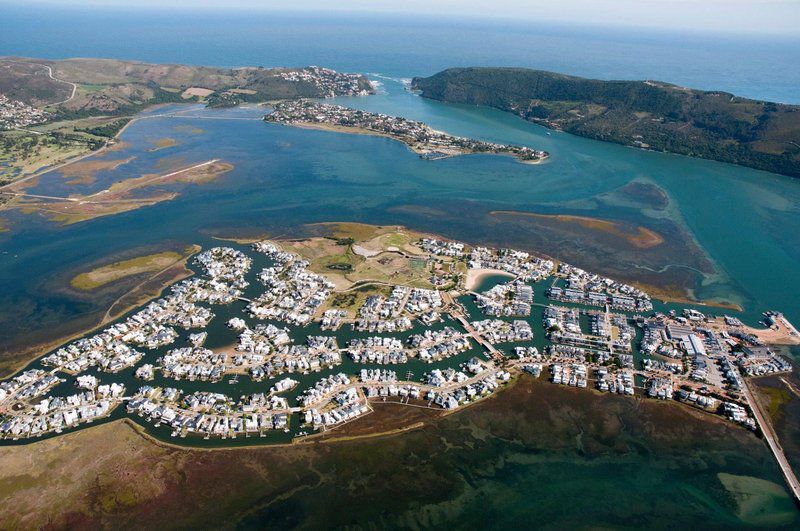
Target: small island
{"points": [[112, 273], [122, 196], [419, 137]]}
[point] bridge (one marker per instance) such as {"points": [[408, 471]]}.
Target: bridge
{"points": [[496, 354], [771, 437]]}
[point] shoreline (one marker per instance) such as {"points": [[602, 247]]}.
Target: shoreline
{"points": [[476, 276], [117, 451], [315, 439], [109, 146], [644, 238], [473, 279], [43, 348], [117, 198], [678, 296], [415, 148], [512, 370]]}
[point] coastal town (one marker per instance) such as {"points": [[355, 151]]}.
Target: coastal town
{"points": [[328, 82], [399, 265], [52, 113], [419, 137], [15, 114], [314, 366]]}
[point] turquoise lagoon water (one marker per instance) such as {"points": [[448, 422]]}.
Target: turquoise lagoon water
{"points": [[746, 222]]}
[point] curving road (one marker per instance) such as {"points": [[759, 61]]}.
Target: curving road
{"points": [[50, 75]]}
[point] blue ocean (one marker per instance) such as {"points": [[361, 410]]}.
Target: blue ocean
{"points": [[747, 65]]}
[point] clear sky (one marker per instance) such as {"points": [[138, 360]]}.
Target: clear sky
{"points": [[745, 16]]}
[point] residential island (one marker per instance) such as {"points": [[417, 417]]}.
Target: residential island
{"points": [[645, 114], [325, 326], [420, 138]]}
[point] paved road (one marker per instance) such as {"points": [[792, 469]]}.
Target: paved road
{"points": [[791, 386], [74, 86], [37, 196], [154, 178], [50, 75]]}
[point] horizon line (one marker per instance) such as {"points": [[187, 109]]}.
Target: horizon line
{"points": [[432, 17]]}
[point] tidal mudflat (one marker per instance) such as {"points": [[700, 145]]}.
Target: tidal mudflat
{"points": [[619, 462]]}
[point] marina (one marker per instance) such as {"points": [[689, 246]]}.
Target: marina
{"points": [[269, 304]]}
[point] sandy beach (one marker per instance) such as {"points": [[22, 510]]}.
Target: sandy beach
{"points": [[476, 276], [416, 147]]}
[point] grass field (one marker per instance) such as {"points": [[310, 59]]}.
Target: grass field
{"points": [[26, 152], [363, 260], [23, 153]]}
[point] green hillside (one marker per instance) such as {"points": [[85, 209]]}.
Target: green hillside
{"points": [[647, 114]]}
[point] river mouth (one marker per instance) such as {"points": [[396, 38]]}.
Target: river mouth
{"points": [[655, 228]]}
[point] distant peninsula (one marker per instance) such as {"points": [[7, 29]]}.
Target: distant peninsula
{"points": [[419, 137], [646, 114]]}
